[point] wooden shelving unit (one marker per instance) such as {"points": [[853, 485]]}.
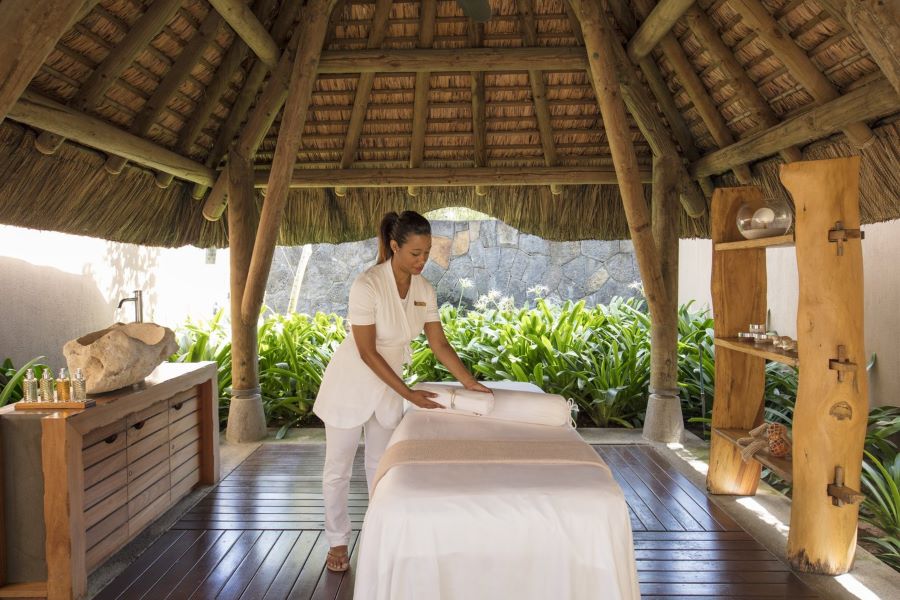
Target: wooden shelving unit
{"points": [[831, 411]]}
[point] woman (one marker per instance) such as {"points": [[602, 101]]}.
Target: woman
{"points": [[362, 389]]}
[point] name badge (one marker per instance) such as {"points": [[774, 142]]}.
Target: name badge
{"points": [[417, 303]]}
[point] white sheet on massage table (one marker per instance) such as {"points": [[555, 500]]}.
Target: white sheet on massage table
{"points": [[494, 532]]}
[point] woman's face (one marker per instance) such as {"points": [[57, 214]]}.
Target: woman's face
{"points": [[413, 254]]}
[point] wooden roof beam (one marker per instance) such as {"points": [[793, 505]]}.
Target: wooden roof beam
{"points": [[722, 57], [363, 89], [42, 113], [168, 87], [871, 101], [479, 124], [538, 89], [31, 29], [755, 16], [314, 25], [248, 27], [453, 60], [423, 80], [697, 92], [457, 176], [91, 93], [249, 91], [655, 27]]}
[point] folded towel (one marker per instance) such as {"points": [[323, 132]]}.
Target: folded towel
{"points": [[458, 399], [536, 408]]}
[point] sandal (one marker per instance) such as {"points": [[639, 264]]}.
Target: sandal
{"points": [[337, 561]]}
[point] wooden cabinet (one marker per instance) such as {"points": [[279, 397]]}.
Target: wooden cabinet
{"points": [[832, 399], [107, 472]]}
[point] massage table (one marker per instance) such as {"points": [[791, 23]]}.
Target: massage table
{"points": [[495, 530]]}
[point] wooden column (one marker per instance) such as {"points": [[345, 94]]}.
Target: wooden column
{"points": [[755, 16], [138, 37], [248, 27], [246, 420], [706, 33], [658, 23], [479, 127], [364, 84], [423, 85], [538, 89], [831, 413], [30, 29], [153, 108], [303, 78]]}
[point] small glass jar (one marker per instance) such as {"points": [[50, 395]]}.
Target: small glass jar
{"points": [[770, 219]]}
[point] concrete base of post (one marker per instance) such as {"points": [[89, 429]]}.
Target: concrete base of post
{"points": [[664, 421], [246, 420]]}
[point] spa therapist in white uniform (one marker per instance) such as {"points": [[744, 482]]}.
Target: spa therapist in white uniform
{"points": [[362, 389]]}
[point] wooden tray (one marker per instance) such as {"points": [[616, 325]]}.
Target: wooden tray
{"points": [[69, 405]]}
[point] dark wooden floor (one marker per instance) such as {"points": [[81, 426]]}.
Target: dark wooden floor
{"points": [[258, 535]]}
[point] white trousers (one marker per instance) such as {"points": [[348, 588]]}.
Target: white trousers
{"points": [[340, 449]]}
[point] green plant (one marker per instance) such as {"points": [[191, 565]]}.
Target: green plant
{"points": [[11, 378], [209, 341], [881, 507]]}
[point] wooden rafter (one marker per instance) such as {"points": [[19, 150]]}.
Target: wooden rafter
{"points": [[167, 88], [871, 101], [248, 27], [538, 89], [479, 125], [696, 91], [249, 91], [303, 77], [423, 82], [91, 93], [755, 16], [722, 57], [42, 113], [461, 177], [658, 23], [363, 89], [31, 29], [212, 96], [458, 60]]}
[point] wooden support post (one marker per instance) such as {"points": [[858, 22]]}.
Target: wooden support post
{"points": [[658, 23], [138, 37], [755, 16], [697, 92], [721, 56], [830, 417], [377, 33], [600, 41], [538, 89], [31, 29], [871, 101], [248, 27], [479, 126], [45, 114], [303, 78], [423, 85], [246, 420], [153, 108]]}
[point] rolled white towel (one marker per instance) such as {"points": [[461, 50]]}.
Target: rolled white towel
{"points": [[537, 408], [458, 399]]}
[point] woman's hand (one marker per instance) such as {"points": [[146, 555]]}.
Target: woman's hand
{"points": [[476, 386], [422, 399]]}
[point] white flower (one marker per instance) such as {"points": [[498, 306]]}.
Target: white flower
{"points": [[493, 295], [506, 303], [481, 303], [538, 290], [465, 283]]}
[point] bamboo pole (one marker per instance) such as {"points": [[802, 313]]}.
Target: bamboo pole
{"points": [[705, 30], [428, 12], [31, 29], [42, 113], [457, 60], [377, 32], [755, 16], [868, 102], [144, 30], [450, 177], [655, 27], [479, 127], [187, 60], [538, 89], [600, 42], [248, 27], [311, 35]]}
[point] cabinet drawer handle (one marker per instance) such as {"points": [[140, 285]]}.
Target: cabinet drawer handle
{"points": [[111, 439], [138, 425], [178, 406]]}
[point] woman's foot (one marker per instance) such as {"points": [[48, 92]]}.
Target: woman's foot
{"points": [[337, 560]]}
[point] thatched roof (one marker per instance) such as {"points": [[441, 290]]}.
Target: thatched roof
{"points": [[205, 108]]}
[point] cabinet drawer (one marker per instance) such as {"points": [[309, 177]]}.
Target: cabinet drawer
{"points": [[106, 447], [106, 526], [103, 469], [185, 423], [146, 427], [182, 403], [106, 507], [189, 437], [152, 459], [185, 468], [147, 413], [144, 498], [106, 546], [141, 483], [96, 435], [139, 522], [180, 489], [147, 445], [186, 452], [110, 485]]}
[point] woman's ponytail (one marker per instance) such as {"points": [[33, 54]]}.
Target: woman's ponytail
{"points": [[397, 228], [385, 235]]}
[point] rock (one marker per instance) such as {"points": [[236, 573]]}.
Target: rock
{"points": [[461, 242], [119, 356], [534, 245], [506, 235], [440, 250], [598, 249]]}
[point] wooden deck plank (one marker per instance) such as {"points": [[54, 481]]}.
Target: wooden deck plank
{"points": [[292, 566], [210, 547], [207, 582]]}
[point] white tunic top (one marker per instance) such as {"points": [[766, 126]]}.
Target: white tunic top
{"points": [[350, 390]]}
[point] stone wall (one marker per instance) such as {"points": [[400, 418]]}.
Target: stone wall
{"points": [[485, 255]]}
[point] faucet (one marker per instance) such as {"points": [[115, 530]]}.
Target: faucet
{"points": [[138, 300]]}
